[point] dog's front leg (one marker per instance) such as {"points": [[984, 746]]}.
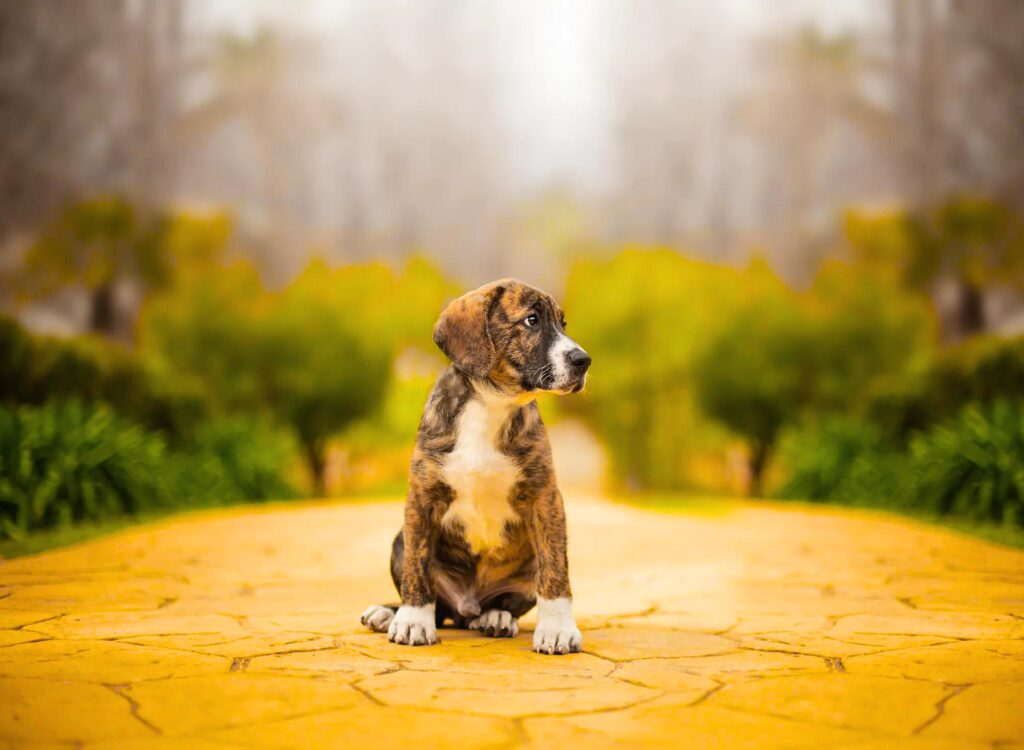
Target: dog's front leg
{"points": [[556, 631], [414, 624]]}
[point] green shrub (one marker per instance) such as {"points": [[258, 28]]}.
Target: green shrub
{"points": [[234, 459], [36, 369], [969, 467], [981, 370], [68, 462], [821, 460], [973, 466]]}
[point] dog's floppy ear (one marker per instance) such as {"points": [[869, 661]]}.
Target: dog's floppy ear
{"points": [[463, 333]]}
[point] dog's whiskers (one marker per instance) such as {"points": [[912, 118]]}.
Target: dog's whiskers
{"points": [[543, 374]]}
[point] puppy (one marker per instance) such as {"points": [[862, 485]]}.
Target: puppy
{"points": [[484, 536]]}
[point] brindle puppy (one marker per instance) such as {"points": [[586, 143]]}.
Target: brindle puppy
{"points": [[484, 535]]}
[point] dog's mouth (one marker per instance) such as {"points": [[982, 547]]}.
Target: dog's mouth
{"points": [[563, 388], [545, 379]]}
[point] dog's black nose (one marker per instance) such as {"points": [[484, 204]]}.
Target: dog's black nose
{"points": [[579, 359]]}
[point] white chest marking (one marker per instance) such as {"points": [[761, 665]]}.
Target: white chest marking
{"points": [[481, 475]]}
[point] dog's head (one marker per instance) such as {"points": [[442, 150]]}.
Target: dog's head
{"points": [[514, 335]]}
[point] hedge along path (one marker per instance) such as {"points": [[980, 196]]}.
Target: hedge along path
{"points": [[763, 626]]}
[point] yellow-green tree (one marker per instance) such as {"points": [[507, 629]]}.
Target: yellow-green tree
{"points": [[316, 356], [757, 372], [643, 314], [686, 353], [973, 242], [783, 357], [98, 243]]}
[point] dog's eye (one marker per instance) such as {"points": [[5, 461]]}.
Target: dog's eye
{"points": [[564, 324], [531, 320]]}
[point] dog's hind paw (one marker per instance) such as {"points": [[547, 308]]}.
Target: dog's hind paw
{"points": [[496, 623], [377, 618]]}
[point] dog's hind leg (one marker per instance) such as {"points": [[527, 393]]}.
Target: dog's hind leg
{"points": [[501, 618], [378, 616]]}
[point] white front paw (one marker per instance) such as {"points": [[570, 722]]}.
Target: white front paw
{"points": [[554, 638], [556, 631], [413, 626]]}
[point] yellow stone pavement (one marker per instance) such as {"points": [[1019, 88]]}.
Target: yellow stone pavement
{"points": [[765, 626]]}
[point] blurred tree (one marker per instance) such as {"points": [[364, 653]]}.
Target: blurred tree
{"points": [[819, 125], [326, 354], [978, 243], [781, 357], [974, 243], [642, 314], [757, 374], [955, 70], [262, 105], [88, 102], [316, 356], [99, 243]]}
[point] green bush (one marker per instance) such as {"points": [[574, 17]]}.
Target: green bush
{"points": [[970, 467], [68, 462], [981, 370], [36, 369], [973, 466], [233, 459], [821, 460]]}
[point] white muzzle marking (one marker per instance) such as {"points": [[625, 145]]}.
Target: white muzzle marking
{"points": [[557, 356]]}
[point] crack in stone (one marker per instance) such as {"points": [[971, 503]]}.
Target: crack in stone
{"points": [[25, 625], [520, 737], [940, 707], [707, 694], [606, 710], [34, 640], [521, 717], [805, 722], [834, 664], [366, 693], [121, 690], [626, 680], [653, 609], [242, 620]]}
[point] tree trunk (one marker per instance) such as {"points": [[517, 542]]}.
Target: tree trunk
{"points": [[102, 315], [759, 452], [317, 462], [971, 311]]}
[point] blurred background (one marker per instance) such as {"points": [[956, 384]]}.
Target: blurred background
{"points": [[791, 235]]}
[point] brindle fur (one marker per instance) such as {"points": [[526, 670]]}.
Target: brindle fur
{"points": [[432, 562]]}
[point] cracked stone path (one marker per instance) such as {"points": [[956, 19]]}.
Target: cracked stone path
{"points": [[763, 626]]}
